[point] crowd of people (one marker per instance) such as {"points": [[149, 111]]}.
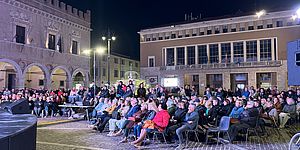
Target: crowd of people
{"points": [[172, 113], [138, 111]]}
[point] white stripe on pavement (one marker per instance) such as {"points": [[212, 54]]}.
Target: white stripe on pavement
{"points": [[71, 146], [49, 128]]}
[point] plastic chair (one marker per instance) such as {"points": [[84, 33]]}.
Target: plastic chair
{"points": [[223, 127], [195, 131], [155, 133], [253, 129]]}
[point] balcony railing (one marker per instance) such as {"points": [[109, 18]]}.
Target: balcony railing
{"points": [[275, 63]]}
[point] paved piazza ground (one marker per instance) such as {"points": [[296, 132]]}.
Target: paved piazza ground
{"points": [[76, 135]]}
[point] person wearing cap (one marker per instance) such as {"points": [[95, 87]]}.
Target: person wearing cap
{"points": [[247, 119]]}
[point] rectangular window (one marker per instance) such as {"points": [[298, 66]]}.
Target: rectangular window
{"points": [[167, 37], [136, 64], [60, 45], [238, 52], [191, 55], [250, 27], [209, 32], [265, 50], [74, 47], [226, 52], [179, 36], [297, 59], [187, 35], [20, 34], [242, 28], [213, 53], [160, 38], [173, 36], [202, 54], [148, 39], [116, 72], [233, 30], [116, 60], [194, 34], [260, 27], [151, 61], [279, 23], [122, 62], [170, 57], [103, 72], [201, 33], [51, 41], [130, 63], [41, 82], [62, 83], [214, 80], [122, 74], [269, 25], [251, 47], [225, 29], [180, 56], [217, 31]]}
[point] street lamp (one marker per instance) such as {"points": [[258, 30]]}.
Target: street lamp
{"points": [[108, 39], [260, 13], [99, 50]]}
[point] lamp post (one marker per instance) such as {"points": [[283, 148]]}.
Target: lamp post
{"points": [[94, 50], [108, 39]]}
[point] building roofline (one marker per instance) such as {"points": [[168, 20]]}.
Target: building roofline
{"points": [[214, 21]]}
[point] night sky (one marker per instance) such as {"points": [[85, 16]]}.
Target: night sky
{"points": [[124, 18]]}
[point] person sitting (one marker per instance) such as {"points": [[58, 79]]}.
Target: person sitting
{"points": [[247, 119], [288, 111], [98, 110], [237, 110], [112, 113], [149, 116], [104, 93], [128, 92], [213, 112], [177, 119], [190, 123], [114, 124], [201, 109], [159, 123], [225, 109], [136, 118]]}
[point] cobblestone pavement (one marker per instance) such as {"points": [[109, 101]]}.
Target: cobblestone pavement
{"points": [[77, 136]]}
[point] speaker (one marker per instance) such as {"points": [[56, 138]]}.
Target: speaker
{"points": [[18, 107]]}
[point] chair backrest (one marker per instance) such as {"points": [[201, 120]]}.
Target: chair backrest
{"points": [[224, 123]]}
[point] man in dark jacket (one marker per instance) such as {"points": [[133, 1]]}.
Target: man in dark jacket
{"points": [[104, 92], [141, 92], [247, 119], [190, 123]]}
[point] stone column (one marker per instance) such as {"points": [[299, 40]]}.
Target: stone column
{"points": [[226, 81], [202, 83], [48, 82], [252, 79], [20, 82]]}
